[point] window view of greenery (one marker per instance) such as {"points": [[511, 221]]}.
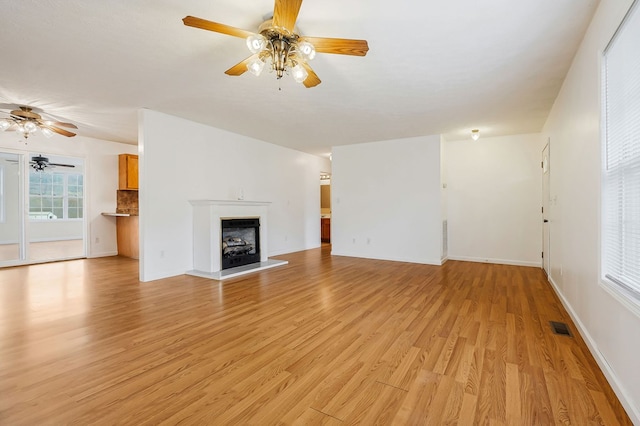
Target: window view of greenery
{"points": [[54, 195]]}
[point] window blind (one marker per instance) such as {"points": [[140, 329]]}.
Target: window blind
{"points": [[621, 158]]}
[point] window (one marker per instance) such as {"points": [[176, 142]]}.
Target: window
{"points": [[621, 160], [55, 195]]}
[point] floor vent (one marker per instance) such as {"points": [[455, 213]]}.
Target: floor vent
{"points": [[560, 328]]}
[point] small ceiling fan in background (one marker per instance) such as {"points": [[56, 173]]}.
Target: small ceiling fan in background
{"points": [[278, 44], [40, 163], [25, 121]]}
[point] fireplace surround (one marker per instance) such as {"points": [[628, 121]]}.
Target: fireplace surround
{"points": [[207, 237]]}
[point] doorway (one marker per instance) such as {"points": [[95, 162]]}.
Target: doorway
{"points": [[325, 207], [42, 208], [12, 248], [546, 173]]}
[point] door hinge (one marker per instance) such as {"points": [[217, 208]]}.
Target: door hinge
{"points": [[542, 209], [542, 164], [542, 255]]}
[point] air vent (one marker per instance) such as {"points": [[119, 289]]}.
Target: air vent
{"points": [[560, 328]]}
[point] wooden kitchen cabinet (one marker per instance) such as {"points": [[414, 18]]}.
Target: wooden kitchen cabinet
{"points": [[325, 230], [128, 171]]}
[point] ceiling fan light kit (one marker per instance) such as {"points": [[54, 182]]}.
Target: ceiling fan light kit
{"points": [[26, 122], [278, 45]]}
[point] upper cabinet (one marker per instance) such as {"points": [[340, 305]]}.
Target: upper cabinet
{"points": [[128, 171]]}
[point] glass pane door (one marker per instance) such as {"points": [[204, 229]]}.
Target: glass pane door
{"points": [[56, 208], [11, 212]]}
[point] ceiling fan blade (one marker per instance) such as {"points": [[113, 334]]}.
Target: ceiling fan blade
{"points": [[60, 165], [203, 24], [25, 112], [241, 67], [58, 130], [58, 124], [340, 46], [312, 79], [285, 13]]}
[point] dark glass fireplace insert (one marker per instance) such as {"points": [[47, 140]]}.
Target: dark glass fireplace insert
{"points": [[240, 242]]}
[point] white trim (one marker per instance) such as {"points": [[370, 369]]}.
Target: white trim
{"points": [[103, 254], [497, 261], [228, 203], [630, 301], [434, 262], [632, 411], [53, 239]]}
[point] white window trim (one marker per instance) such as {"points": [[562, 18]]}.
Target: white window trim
{"points": [[628, 297]]}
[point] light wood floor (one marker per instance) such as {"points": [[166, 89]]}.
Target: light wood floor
{"points": [[49, 250], [323, 340]]}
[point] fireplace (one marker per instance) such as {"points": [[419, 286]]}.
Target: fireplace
{"points": [[240, 243], [208, 216]]}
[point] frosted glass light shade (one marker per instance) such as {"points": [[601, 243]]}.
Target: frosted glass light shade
{"points": [[475, 134], [48, 133], [255, 66], [306, 50], [299, 73], [4, 125], [256, 43], [30, 127]]}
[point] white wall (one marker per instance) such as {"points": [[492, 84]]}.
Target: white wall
{"points": [[101, 179], [386, 200], [181, 160], [494, 198], [609, 327], [55, 230]]}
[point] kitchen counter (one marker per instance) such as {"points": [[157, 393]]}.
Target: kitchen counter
{"points": [[126, 234]]}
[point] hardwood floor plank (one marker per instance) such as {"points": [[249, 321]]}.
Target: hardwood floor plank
{"points": [[323, 340]]}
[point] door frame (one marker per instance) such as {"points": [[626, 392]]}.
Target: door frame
{"points": [[545, 164]]}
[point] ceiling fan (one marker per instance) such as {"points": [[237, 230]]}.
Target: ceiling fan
{"points": [[25, 122], [278, 44], [39, 163]]}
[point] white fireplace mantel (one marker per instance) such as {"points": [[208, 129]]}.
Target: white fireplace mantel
{"points": [[207, 236]]}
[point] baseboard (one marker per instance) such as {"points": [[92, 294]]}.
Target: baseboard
{"points": [[103, 254], [436, 262], [612, 378], [497, 261], [49, 240]]}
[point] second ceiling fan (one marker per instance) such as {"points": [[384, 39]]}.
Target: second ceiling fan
{"points": [[277, 43]]}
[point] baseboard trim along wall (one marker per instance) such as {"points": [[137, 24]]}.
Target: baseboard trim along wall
{"points": [[103, 254], [497, 261], [632, 411], [436, 262]]}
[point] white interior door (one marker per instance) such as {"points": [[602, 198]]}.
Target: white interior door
{"points": [[546, 172]]}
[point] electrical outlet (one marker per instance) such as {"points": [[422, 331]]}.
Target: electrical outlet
{"points": [[97, 240], [162, 253], [354, 241], [368, 240]]}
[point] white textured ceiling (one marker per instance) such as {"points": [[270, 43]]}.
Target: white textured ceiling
{"points": [[434, 67]]}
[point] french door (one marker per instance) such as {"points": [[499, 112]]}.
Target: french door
{"points": [[42, 209]]}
